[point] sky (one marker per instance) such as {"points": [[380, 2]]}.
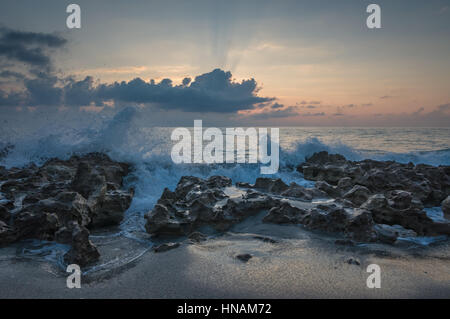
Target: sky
{"points": [[246, 62]]}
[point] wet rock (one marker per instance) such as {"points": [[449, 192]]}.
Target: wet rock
{"points": [[389, 234], [344, 242], [68, 206], [345, 183], [39, 225], [353, 261], [160, 221], [399, 199], [82, 252], [198, 202], [325, 158], [197, 237], [412, 217], [298, 192], [5, 215], [165, 247], [85, 190], [269, 185], [330, 190], [357, 195], [446, 207], [7, 234], [110, 207], [430, 185], [286, 214], [360, 226], [88, 180], [244, 257], [329, 218]]}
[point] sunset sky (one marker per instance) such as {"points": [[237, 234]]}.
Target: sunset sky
{"points": [[313, 62]]}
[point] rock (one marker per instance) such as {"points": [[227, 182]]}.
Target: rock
{"points": [[325, 158], [4, 212], [39, 225], [7, 234], [64, 235], [389, 234], [360, 226], [68, 206], [345, 183], [161, 222], [344, 242], [399, 199], [269, 185], [244, 257], [83, 252], [198, 202], [298, 192], [357, 195], [330, 190], [446, 207], [430, 185], [353, 261], [165, 247], [411, 218], [86, 190], [197, 237], [110, 208], [285, 214]]}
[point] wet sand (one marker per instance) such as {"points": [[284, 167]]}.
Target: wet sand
{"points": [[300, 264]]}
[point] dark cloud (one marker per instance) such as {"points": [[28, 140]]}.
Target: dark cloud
{"points": [[11, 74], [277, 106], [367, 104], [210, 92], [215, 91], [11, 99], [30, 48]]}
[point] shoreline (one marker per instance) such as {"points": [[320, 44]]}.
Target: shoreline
{"points": [[209, 238], [293, 268]]}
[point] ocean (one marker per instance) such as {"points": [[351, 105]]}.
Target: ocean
{"points": [[148, 149]]}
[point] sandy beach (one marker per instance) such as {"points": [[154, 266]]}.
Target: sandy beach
{"points": [[300, 264]]}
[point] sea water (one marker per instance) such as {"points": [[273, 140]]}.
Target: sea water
{"points": [[125, 137]]}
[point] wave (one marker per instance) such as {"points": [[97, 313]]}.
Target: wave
{"points": [[122, 137]]}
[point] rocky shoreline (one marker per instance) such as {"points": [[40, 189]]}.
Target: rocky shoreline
{"points": [[62, 200], [364, 201]]}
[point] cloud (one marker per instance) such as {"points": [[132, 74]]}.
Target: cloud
{"points": [[11, 74], [215, 91], [419, 110], [29, 47], [210, 92], [367, 104], [274, 113], [277, 106], [313, 114], [310, 102], [385, 97], [443, 10]]}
